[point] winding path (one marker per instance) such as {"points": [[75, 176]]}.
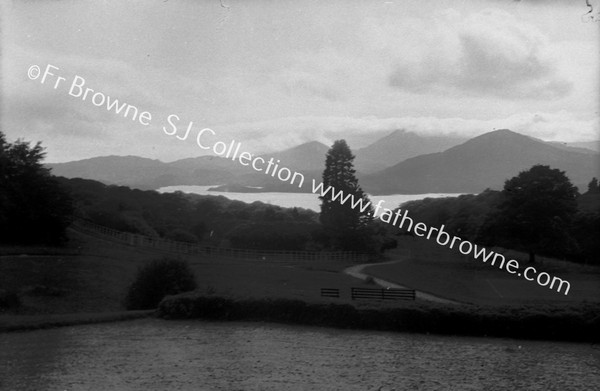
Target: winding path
{"points": [[357, 272]]}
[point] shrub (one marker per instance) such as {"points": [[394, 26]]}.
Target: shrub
{"points": [[158, 279]]}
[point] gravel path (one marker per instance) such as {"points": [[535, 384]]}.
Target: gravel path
{"points": [[357, 272]]}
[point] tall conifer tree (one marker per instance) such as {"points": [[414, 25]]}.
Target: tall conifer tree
{"points": [[348, 227]]}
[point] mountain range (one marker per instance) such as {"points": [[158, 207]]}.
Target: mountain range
{"points": [[398, 146], [482, 162], [399, 163]]}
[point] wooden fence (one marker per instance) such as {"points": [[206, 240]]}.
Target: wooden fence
{"points": [[382, 294], [138, 240], [330, 292]]}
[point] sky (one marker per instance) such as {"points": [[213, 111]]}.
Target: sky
{"points": [[275, 74]]}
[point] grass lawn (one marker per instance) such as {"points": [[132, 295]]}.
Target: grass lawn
{"points": [[95, 277], [89, 280], [426, 266], [252, 279]]}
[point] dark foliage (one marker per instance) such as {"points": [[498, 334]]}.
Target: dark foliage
{"points": [[462, 216], [586, 231], [593, 186], [214, 220], [536, 213], [158, 279], [34, 208], [477, 217]]}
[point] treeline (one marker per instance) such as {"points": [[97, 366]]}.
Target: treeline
{"points": [[213, 220], [36, 208], [479, 218], [33, 207]]}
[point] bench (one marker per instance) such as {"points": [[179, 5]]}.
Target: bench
{"points": [[383, 294], [330, 292]]}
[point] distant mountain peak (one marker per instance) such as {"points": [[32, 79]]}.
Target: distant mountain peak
{"points": [[397, 132], [500, 133], [500, 137], [399, 145]]}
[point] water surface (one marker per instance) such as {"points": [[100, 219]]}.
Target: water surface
{"points": [[300, 200]]}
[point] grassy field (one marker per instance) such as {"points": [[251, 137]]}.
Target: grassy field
{"points": [[426, 266], [94, 280], [93, 274], [91, 277]]}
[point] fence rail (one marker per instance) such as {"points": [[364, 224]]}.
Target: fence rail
{"points": [[330, 292], [138, 240], [382, 294]]}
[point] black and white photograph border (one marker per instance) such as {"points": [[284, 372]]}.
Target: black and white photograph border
{"points": [[299, 195]]}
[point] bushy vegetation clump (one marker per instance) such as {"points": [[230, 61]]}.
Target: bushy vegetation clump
{"points": [[158, 279]]}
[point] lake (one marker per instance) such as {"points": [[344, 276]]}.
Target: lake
{"points": [[154, 354], [300, 200]]}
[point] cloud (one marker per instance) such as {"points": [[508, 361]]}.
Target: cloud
{"points": [[30, 102], [489, 53], [288, 132], [275, 80]]}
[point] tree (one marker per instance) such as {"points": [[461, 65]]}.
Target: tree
{"points": [[347, 227], [34, 208], [593, 186], [536, 213]]}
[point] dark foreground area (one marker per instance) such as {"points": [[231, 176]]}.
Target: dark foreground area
{"points": [[154, 354], [577, 323], [49, 321]]}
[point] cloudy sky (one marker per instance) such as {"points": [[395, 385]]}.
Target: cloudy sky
{"points": [[274, 74]]}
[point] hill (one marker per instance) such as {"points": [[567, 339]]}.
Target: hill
{"points": [[575, 147], [143, 173], [483, 162], [398, 146], [592, 145], [307, 158], [117, 170]]}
